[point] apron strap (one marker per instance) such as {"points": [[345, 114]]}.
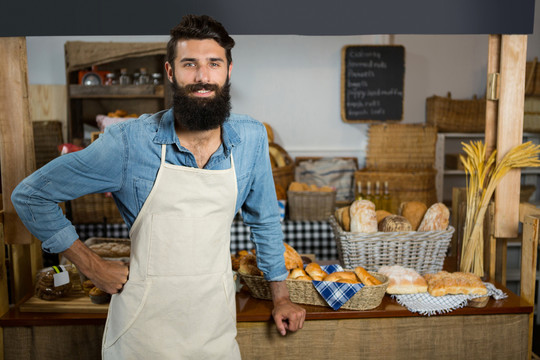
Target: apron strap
{"points": [[163, 152]]}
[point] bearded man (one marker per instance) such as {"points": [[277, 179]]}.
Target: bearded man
{"points": [[178, 177]]}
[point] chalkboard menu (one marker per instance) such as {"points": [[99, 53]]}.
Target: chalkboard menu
{"points": [[372, 78]]}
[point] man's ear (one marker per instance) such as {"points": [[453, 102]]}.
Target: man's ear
{"points": [[230, 70], [170, 71]]}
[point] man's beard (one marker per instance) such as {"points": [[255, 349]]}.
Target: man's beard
{"points": [[193, 113]]}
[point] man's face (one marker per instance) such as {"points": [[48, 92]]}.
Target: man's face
{"points": [[200, 83]]}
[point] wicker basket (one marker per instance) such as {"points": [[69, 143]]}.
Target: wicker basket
{"points": [[311, 205], [303, 292], [421, 251], [531, 117], [451, 115], [284, 175], [403, 185], [47, 138], [532, 78], [95, 208], [401, 146]]}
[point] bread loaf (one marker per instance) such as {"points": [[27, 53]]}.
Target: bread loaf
{"points": [[403, 280], [394, 223], [343, 217], [381, 214], [248, 266], [445, 283], [413, 211], [437, 217], [296, 273], [363, 217]]}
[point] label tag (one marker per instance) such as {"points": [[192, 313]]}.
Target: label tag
{"points": [[61, 277]]}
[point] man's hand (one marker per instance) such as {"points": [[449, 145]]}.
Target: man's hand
{"points": [[109, 276], [287, 315]]}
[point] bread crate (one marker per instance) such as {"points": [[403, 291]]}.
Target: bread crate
{"points": [[451, 115], [311, 205]]}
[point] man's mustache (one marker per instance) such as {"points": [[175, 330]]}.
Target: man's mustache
{"points": [[198, 87]]}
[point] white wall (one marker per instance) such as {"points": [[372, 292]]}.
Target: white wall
{"points": [[293, 82]]}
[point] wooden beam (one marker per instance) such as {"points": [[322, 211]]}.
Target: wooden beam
{"points": [[4, 296], [510, 131], [16, 135]]}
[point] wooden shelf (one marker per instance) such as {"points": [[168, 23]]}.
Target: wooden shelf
{"points": [[116, 91]]}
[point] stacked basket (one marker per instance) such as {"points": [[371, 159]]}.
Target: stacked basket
{"points": [[404, 156]]}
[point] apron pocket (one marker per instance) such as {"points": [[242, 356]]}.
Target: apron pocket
{"points": [[124, 310], [188, 246]]}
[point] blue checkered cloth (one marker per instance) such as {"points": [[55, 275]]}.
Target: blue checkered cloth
{"points": [[336, 294]]}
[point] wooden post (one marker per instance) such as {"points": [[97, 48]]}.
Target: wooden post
{"points": [[510, 131], [493, 67], [17, 144], [529, 247]]}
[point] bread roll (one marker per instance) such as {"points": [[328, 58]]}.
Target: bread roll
{"points": [[296, 273], [403, 280], [292, 259], [338, 276], [436, 218], [381, 214], [445, 283], [303, 278], [363, 217], [413, 211], [365, 277], [393, 223], [315, 271]]}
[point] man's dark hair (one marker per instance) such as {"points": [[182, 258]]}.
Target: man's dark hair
{"points": [[193, 27]]}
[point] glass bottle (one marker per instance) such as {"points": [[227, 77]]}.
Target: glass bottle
{"points": [[136, 78], [377, 198], [359, 194], [386, 198], [369, 195], [124, 77], [144, 78]]}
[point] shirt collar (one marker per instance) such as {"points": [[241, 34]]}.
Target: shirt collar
{"points": [[166, 134]]}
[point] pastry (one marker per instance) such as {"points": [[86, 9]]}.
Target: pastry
{"points": [[87, 285], [365, 277], [296, 273], [437, 217], [248, 266], [292, 259], [445, 283], [315, 271], [363, 217], [413, 211], [402, 280], [98, 296]]}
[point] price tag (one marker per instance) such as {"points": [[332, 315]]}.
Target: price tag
{"points": [[61, 277]]}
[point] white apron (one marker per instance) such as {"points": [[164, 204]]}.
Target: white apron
{"points": [[179, 301]]}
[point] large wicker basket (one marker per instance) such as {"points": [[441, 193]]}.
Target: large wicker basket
{"points": [[422, 251], [450, 115], [401, 146], [95, 208], [303, 292], [283, 175], [311, 205]]}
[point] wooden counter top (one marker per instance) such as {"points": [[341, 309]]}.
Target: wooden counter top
{"points": [[250, 309]]}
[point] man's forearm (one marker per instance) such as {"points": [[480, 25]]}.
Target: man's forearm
{"points": [[280, 292]]}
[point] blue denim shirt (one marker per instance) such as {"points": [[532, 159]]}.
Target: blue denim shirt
{"points": [[125, 161]]}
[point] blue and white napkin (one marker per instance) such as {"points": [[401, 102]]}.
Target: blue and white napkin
{"points": [[336, 294], [425, 304]]}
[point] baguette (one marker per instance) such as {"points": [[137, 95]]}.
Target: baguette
{"points": [[315, 271], [365, 277], [339, 276]]}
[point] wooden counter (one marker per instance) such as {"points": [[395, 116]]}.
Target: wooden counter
{"points": [[390, 331]]}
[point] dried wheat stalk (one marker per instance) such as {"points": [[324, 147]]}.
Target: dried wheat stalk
{"points": [[482, 179]]}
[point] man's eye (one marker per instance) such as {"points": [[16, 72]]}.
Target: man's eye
{"points": [[214, 64], [189, 65]]}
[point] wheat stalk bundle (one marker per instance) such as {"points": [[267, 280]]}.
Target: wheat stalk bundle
{"points": [[482, 179]]}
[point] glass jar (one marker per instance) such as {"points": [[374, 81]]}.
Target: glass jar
{"points": [[111, 79], [124, 79], [144, 78], [156, 78]]}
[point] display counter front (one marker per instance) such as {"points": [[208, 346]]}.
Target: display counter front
{"points": [[390, 331]]}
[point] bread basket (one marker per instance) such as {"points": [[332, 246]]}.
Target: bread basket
{"points": [[423, 251], [303, 292]]}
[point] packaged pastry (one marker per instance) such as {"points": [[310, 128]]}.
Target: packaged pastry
{"points": [[55, 282]]}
